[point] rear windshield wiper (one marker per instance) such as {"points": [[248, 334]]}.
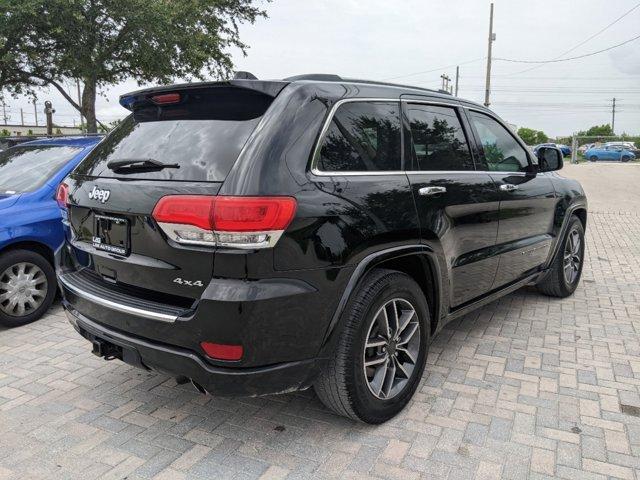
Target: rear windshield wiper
{"points": [[139, 164]]}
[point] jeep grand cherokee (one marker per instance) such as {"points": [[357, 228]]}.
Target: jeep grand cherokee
{"points": [[268, 236]]}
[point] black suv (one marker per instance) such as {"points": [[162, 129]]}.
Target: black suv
{"points": [[268, 236]]}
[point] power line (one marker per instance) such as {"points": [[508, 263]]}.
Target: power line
{"points": [[434, 70], [581, 43], [570, 58]]}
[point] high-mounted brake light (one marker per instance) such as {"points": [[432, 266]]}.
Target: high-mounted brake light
{"points": [[62, 195], [165, 98], [225, 221]]}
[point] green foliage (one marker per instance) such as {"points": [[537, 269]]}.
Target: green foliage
{"points": [[102, 42], [597, 131], [531, 136], [4, 133]]}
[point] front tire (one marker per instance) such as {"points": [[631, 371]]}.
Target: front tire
{"points": [[566, 270], [626, 158], [381, 353], [27, 287]]}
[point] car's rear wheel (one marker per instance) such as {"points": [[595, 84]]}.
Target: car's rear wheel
{"points": [[626, 158], [381, 353], [27, 287], [566, 270], [593, 158]]}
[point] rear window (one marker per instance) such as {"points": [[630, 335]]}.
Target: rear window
{"points": [[27, 168], [201, 137]]}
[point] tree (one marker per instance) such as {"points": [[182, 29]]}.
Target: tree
{"points": [[531, 136], [597, 131], [102, 42]]}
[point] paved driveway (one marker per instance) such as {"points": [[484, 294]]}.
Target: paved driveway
{"points": [[527, 387]]}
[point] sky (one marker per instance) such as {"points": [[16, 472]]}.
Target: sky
{"points": [[415, 41]]}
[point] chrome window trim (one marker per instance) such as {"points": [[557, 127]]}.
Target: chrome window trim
{"points": [[327, 123], [138, 312]]}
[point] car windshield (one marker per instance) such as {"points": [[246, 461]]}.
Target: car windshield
{"points": [[27, 168]]}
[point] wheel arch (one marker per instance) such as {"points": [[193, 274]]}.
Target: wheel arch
{"points": [[37, 247], [417, 261]]}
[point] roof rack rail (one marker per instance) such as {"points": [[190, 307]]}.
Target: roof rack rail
{"points": [[320, 77]]}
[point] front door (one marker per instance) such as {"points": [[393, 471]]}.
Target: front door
{"points": [[527, 200], [457, 205]]}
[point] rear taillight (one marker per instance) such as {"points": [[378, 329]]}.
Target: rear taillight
{"points": [[62, 195], [237, 222], [166, 98]]}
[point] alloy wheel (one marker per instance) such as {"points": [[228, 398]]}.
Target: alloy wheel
{"points": [[23, 288], [391, 348], [572, 256]]}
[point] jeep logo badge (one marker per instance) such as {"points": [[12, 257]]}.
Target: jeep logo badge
{"points": [[100, 195]]}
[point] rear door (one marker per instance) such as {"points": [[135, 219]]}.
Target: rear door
{"points": [[197, 134], [457, 205], [527, 199]]}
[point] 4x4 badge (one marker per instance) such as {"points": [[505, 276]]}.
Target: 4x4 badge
{"points": [[99, 194]]}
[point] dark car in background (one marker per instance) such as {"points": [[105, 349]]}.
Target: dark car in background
{"points": [[268, 236], [566, 150], [31, 223]]}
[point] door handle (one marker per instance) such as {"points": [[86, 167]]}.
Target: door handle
{"points": [[426, 191], [508, 187]]}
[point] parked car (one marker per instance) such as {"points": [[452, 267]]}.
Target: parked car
{"points": [[625, 145], [30, 223], [585, 147], [615, 153], [268, 236]]}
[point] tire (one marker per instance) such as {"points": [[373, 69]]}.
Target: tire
{"points": [[556, 283], [626, 158], [593, 158], [26, 263], [344, 385]]}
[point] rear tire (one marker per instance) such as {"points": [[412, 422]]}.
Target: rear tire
{"points": [[626, 158], [27, 287], [355, 382], [566, 270], [593, 158]]}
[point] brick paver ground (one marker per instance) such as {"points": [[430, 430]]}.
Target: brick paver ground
{"points": [[527, 387]]}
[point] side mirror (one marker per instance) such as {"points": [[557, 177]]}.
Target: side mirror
{"points": [[549, 159]]}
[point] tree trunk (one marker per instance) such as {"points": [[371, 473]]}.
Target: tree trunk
{"points": [[89, 104]]}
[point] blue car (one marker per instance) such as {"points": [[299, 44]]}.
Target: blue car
{"points": [[30, 223], [614, 153]]}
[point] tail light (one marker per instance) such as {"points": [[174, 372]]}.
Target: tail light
{"points": [[237, 222], [62, 195]]}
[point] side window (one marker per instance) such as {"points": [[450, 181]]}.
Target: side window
{"points": [[437, 139], [502, 152], [362, 137]]}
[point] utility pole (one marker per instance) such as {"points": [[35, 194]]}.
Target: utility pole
{"points": [[445, 82], [613, 117], [457, 79], [4, 112], [21, 117], [35, 111], [79, 100], [492, 38], [49, 111]]}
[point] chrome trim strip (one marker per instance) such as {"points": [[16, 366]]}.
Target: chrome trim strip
{"points": [[139, 312], [327, 123]]}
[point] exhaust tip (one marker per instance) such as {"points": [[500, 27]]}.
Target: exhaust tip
{"points": [[199, 387]]}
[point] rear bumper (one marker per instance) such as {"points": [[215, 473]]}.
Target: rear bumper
{"points": [[146, 354]]}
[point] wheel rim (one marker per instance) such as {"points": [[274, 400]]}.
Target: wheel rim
{"points": [[572, 256], [391, 348], [23, 288]]}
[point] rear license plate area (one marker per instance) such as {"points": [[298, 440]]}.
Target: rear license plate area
{"points": [[111, 234]]}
